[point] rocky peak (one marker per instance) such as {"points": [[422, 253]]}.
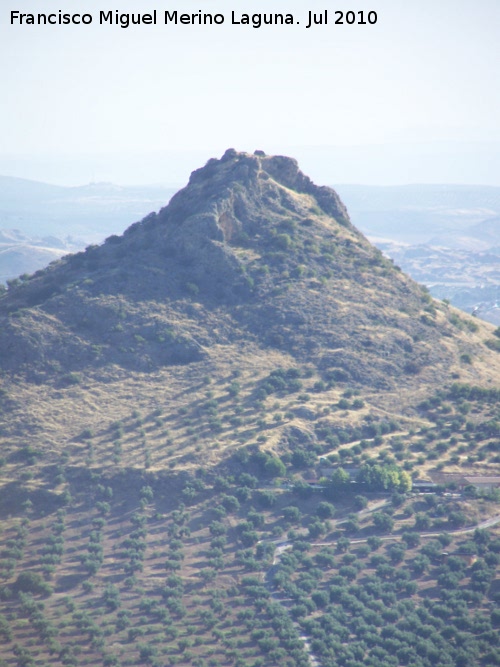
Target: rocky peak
{"points": [[228, 191]]}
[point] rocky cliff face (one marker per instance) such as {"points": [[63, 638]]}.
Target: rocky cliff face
{"points": [[249, 253], [240, 201]]}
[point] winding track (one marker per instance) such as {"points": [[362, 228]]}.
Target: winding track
{"points": [[281, 547]]}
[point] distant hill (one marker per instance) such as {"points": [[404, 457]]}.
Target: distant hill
{"points": [[41, 222], [480, 237], [417, 213], [85, 213]]}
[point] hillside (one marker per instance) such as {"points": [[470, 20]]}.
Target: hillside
{"points": [[211, 426]]}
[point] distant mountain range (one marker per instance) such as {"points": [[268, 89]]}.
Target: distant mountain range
{"points": [[84, 213], [420, 213]]}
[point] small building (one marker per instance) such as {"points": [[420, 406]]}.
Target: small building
{"points": [[461, 480], [448, 479], [423, 486], [483, 482]]}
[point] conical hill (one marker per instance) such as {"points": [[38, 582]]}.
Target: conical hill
{"points": [[251, 251]]}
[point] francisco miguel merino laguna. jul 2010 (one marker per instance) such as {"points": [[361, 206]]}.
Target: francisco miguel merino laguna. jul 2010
{"points": [[124, 20]]}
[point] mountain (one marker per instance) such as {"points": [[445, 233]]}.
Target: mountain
{"points": [[251, 262], [251, 251], [198, 416]]}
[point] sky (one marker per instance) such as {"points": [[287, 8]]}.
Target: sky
{"points": [[414, 97]]}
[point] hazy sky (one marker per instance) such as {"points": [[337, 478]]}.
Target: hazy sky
{"points": [[105, 98]]}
